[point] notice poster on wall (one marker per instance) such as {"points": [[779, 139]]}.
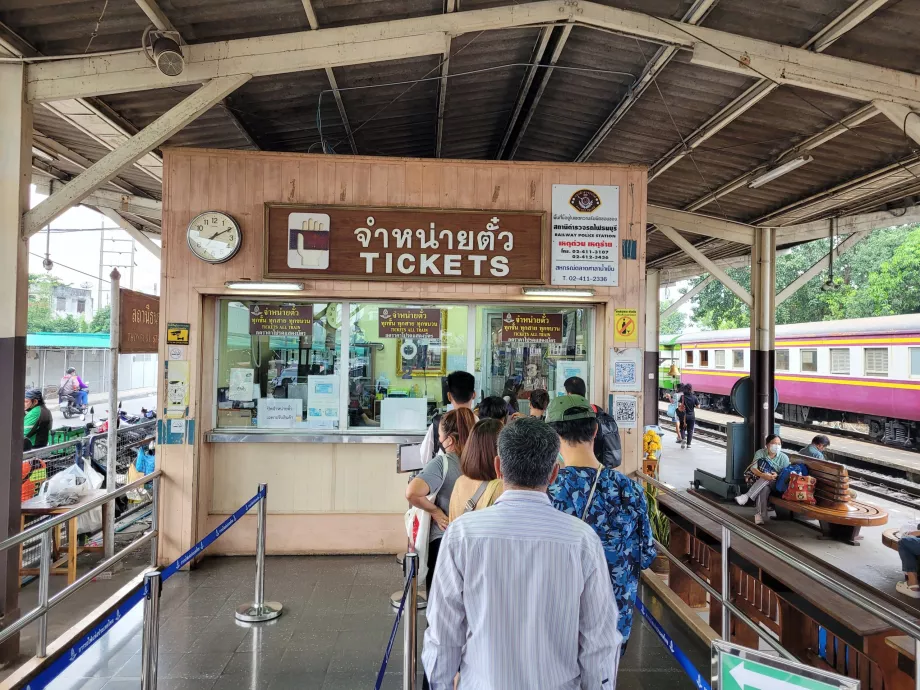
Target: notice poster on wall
{"points": [[626, 411], [626, 325], [523, 327], [278, 413], [241, 381], [323, 402], [409, 323], [281, 319], [626, 369], [585, 235], [566, 370], [177, 384]]}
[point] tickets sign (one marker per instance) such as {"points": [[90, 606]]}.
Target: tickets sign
{"points": [[409, 323], [518, 327], [281, 319]]}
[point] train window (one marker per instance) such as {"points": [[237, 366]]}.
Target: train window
{"points": [[737, 359], [720, 359], [704, 358], [809, 360], [782, 360], [876, 361], [914, 362], [840, 360], [690, 357]]}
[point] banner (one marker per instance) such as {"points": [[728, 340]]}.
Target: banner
{"points": [[585, 235], [281, 319], [409, 323], [518, 327]]}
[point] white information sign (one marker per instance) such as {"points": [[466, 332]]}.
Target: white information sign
{"points": [[566, 370], [586, 234], [241, 381], [626, 369], [739, 668], [323, 402], [278, 413]]}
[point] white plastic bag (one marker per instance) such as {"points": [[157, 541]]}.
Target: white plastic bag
{"points": [[66, 488], [91, 521], [418, 526]]}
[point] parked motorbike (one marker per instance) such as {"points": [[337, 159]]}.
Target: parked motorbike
{"points": [[69, 407]]}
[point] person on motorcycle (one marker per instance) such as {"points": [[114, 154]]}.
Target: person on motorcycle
{"points": [[72, 386], [38, 420]]}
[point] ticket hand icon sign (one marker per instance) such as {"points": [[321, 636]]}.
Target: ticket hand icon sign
{"points": [[308, 241]]}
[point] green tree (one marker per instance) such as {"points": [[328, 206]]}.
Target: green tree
{"points": [[100, 322], [675, 323], [895, 287]]}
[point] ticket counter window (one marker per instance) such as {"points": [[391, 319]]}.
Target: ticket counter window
{"points": [[522, 349], [277, 365], [399, 358]]}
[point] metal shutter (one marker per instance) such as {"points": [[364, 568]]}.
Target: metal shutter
{"points": [[876, 361], [840, 361]]}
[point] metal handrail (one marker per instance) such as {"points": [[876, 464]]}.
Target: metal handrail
{"points": [[45, 525], [46, 450], [877, 608]]}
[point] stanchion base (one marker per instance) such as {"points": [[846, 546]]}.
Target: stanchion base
{"points": [[252, 614], [396, 597]]}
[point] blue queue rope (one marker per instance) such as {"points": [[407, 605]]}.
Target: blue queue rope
{"points": [[399, 613], [678, 654], [66, 658]]}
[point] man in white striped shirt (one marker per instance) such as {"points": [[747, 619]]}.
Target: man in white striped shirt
{"points": [[521, 598]]}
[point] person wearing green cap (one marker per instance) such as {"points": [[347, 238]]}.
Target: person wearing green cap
{"points": [[611, 503]]}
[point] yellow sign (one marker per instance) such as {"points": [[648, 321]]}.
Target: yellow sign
{"points": [[177, 333], [626, 325]]}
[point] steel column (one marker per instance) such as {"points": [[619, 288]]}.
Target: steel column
{"points": [[108, 528], [652, 326], [763, 286]]}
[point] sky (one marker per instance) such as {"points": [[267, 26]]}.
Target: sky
{"points": [[76, 254]]}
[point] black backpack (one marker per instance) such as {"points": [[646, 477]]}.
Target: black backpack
{"points": [[607, 448]]}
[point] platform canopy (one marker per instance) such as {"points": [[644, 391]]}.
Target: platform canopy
{"points": [[746, 112]]}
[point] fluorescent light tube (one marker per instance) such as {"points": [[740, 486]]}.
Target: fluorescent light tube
{"points": [[779, 171], [558, 292], [254, 286]]}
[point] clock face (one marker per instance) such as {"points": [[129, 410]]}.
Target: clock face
{"points": [[214, 237]]}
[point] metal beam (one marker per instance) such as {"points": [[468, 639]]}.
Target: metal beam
{"points": [[819, 266], [686, 297], [858, 12], [706, 263], [650, 72], [846, 225], [157, 17], [867, 112], [125, 203], [151, 136], [905, 119], [698, 224], [539, 51], [135, 234], [449, 6]]}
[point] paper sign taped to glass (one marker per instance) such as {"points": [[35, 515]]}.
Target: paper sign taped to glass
{"points": [[323, 402]]}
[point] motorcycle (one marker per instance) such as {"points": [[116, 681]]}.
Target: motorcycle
{"points": [[69, 407]]}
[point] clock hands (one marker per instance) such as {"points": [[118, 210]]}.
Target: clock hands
{"points": [[218, 234]]}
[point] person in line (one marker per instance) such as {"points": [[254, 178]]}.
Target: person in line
{"points": [[539, 401], [461, 392], [909, 551], [691, 402], [438, 477], [607, 447], [36, 426], [611, 503], [479, 486], [494, 407], [521, 596], [768, 462], [816, 448], [512, 390]]}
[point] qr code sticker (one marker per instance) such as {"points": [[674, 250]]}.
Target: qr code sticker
{"points": [[624, 372], [625, 411]]}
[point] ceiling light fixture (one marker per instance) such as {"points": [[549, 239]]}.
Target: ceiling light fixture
{"points": [[253, 286], [779, 171], [558, 292]]}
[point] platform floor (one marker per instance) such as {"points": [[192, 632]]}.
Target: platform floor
{"points": [[843, 448], [870, 561], [332, 635]]}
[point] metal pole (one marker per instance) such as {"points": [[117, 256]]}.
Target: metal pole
{"points": [[155, 522], [410, 624], [44, 575], [151, 635], [916, 663], [260, 610], [726, 586], [108, 538]]}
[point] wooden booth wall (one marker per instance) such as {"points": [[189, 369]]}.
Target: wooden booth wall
{"points": [[195, 494]]}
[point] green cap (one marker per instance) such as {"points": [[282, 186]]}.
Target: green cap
{"points": [[566, 408]]}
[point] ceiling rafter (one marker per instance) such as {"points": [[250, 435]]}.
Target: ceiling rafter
{"points": [[696, 14], [858, 12], [449, 6]]}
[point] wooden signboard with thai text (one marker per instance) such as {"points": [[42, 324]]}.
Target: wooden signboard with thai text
{"points": [[404, 244], [525, 327], [403, 322], [139, 322], [281, 319]]}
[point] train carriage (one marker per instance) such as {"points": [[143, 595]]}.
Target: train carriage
{"points": [[858, 370]]}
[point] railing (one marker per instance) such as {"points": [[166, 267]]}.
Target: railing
{"points": [[876, 607], [43, 531]]}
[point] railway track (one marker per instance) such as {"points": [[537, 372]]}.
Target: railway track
{"points": [[894, 489]]}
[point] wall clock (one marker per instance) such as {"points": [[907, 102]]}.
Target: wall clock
{"points": [[214, 237]]}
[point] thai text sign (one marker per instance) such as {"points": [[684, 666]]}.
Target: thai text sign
{"points": [[404, 244], [585, 235], [409, 323], [739, 668], [139, 322], [281, 319], [531, 328]]}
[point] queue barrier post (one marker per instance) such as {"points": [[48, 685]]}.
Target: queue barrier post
{"points": [[153, 585], [260, 610], [410, 624]]}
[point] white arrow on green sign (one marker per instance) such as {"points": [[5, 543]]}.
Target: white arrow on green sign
{"points": [[744, 674]]}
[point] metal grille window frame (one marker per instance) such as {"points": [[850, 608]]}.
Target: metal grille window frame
{"points": [[782, 360], [720, 359], [812, 366], [840, 360], [873, 358], [913, 362], [737, 359], [704, 358]]}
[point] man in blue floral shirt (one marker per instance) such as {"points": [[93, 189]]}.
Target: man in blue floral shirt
{"points": [[611, 503]]}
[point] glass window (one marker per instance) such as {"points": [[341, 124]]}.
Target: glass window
{"points": [[690, 357], [914, 356], [60, 304], [399, 357], [270, 353], [737, 359], [81, 306], [782, 360], [523, 349], [704, 358], [720, 359], [809, 360], [840, 360], [876, 361]]}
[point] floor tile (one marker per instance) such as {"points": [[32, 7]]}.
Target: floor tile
{"points": [[199, 665]]}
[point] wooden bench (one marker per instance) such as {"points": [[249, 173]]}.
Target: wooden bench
{"points": [[890, 538], [839, 516]]}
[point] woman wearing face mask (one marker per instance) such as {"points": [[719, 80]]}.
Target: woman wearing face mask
{"points": [[767, 464]]}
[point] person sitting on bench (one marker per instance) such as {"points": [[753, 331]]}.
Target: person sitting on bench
{"points": [[816, 448], [909, 551], [768, 462]]}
